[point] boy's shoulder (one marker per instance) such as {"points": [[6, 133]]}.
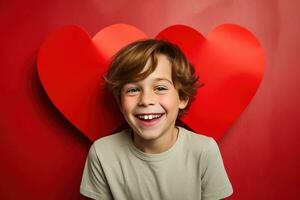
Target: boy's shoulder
{"points": [[113, 142], [193, 137], [197, 142]]}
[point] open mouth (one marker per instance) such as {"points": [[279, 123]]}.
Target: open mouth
{"points": [[149, 117]]}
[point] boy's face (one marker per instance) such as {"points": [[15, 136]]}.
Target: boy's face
{"points": [[151, 106]]}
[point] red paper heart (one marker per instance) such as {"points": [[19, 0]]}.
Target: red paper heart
{"points": [[229, 61]]}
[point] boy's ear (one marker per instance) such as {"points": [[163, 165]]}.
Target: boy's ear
{"points": [[119, 104], [183, 103], [120, 107]]}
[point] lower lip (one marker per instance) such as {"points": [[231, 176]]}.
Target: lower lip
{"points": [[150, 122]]}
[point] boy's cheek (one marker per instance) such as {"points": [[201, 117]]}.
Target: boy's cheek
{"points": [[125, 105], [169, 104]]}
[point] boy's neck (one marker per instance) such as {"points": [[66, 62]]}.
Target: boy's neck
{"points": [[160, 145]]}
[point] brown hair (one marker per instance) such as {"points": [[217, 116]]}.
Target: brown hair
{"points": [[128, 64]]}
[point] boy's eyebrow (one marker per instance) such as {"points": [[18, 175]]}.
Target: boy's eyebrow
{"points": [[156, 80], [163, 79]]}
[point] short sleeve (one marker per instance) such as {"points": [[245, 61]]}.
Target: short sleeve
{"points": [[94, 184], [215, 182]]}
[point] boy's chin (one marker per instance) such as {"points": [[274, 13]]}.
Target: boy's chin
{"points": [[153, 133], [148, 134]]}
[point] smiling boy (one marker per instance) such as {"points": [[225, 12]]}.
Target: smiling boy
{"points": [[153, 84]]}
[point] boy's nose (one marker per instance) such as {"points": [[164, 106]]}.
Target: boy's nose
{"points": [[147, 98]]}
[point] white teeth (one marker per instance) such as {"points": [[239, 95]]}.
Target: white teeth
{"points": [[148, 117]]}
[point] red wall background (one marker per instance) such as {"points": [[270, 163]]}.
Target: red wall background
{"points": [[42, 154]]}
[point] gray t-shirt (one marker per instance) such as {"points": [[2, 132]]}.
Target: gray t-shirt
{"points": [[191, 169]]}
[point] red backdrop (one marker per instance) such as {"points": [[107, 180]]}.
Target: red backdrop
{"points": [[260, 151]]}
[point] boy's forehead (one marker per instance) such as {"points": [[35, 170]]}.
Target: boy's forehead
{"points": [[161, 60], [163, 70]]}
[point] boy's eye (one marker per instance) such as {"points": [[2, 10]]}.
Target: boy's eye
{"points": [[132, 90], [161, 89]]}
